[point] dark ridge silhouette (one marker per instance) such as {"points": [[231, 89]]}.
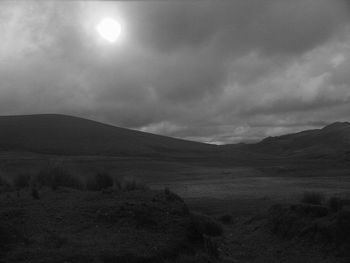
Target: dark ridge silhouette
{"points": [[331, 141], [68, 135]]}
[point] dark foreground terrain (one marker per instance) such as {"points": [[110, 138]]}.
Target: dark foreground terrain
{"points": [[98, 195], [69, 225], [140, 225]]}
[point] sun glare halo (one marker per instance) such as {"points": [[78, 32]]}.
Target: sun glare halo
{"points": [[109, 29]]}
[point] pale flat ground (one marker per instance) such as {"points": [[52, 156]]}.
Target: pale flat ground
{"points": [[249, 183], [247, 191], [205, 186]]}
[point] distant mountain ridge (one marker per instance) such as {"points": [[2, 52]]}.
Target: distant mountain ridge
{"points": [[68, 135], [332, 140]]}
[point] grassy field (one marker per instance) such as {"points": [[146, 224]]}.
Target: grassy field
{"points": [[204, 186], [240, 193]]}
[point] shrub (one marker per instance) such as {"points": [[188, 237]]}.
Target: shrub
{"points": [[100, 181], [167, 191], [3, 182], [226, 219], [310, 210], [55, 240], [21, 181], [35, 193], [314, 198], [343, 226], [5, 238], [117, 184], [196, 258], [284, 221], [4, 185], [335, 203], [170, 196], [132, 184], [55, 176], [203, 225]]}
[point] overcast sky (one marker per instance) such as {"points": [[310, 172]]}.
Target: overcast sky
{"points": [[215, 71]]}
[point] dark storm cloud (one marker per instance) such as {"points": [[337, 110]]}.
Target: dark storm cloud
{"points": [[222, 71], [270, 26]]}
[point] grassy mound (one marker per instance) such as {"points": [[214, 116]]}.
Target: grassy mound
{"points": [[316, 222], [68, 225]]}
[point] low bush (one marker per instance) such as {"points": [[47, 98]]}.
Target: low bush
{"points": [[314, 198], [55, 176], [4, 185], [203, 225], [117, 184], [343, 226], [196, 258], [226, 219], [285, 221], [310, 210], [55, 240], [99, 181], [131, 184], [3, 182], [21, 181], [305, 221], [35, 193], [335, 203], [7, 234], [171, 196]]}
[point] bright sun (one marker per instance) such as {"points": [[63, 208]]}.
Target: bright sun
{"points": [[109, 29]]}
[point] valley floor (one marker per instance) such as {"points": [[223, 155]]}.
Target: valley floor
{"points": [[245, 193]]}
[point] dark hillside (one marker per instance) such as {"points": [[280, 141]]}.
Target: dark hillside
{"points": [[332, 141], [67, 135]]}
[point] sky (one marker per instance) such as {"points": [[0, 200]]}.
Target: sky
{"points": [[210, 71]]}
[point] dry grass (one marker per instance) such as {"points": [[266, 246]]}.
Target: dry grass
{"points": [[204, 226], [313, 198], [99, 181], [335, 203], [21, 180], [131, 184], [57, 175], [226, 219], [3, 182]]}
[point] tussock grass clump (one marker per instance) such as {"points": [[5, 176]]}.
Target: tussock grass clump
{"points": [[196, 258], [131, 184], [55, 240], [5, 238], [343, 225], [21, 181], [5, 186], [335, 203], [35, 193], [117, 184], [3, 182], [203, 226], [99, 181], [55, 176], [226, 219], [313, 198], [103, 180]]}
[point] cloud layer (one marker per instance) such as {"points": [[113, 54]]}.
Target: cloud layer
{"points": [[221, 73]]}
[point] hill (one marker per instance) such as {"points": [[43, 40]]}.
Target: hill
{"points": [[67, 135], [330, 141]]}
